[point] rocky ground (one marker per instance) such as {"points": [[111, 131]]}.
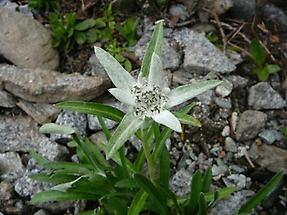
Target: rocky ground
{"points": [[241, 137]]}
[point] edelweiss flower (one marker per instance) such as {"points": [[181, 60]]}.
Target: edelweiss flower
{"points": [[149, 97]]}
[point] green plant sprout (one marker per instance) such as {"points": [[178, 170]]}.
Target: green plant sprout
{"points": [[66, 32], [116, 184], [258, 55], [44, 5]]}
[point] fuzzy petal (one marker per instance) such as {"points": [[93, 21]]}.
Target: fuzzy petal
{"points": [[119, 76], [156, 76], [186, 92], [123, 96], [168, 119], [128, 126]]}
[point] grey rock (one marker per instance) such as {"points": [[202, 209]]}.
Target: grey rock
{"points": [[41, 212], [95, 67], [41, 113], [243, 9], [181, 77], [231, 205], [230, 145], [6, 191], [76, 120], [234, 57], [45, 86], [11, 167], [220, 169], [237, 81], [20, 133], [270, 157], [226, 131], [263, 97], [8, 4], [217, 6], [200, 55], [223, 102], [236, 180], [178, 10], [274, 16], [170, 55], [250, 124], [6, 100], [26, 47], [25, 186], [180, 182], [224, 89], [270, 136], [206, 97]]}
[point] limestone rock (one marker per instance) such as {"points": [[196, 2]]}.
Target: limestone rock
{"points": [[11, 167], [21, 133], [200, 55], [250, 124], [26, 42], [6, 100], [45, 86], [41, 113], [263, 97]]}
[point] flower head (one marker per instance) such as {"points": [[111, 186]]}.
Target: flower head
{"points": [[149, 97]]}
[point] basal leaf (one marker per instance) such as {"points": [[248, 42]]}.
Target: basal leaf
{"points": [[138, 203], [52, 128], [257, 52]]}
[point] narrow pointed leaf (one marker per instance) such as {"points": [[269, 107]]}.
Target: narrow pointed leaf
{"points": [[202, 205], [189, 91], [118, 75], [164, 168], [128, 126], [158, 199], [138, 203], [52, 128], [62, 196], [154, 46], [187, 119], [262, 193], [94, 109], [207, 179], [196, 186]]}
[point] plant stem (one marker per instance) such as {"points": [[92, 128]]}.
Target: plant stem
{"points": [[150, 161]]}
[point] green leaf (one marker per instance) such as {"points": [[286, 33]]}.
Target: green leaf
{"points": [[65, 186], [80, 37], [62, 196], [127, 127], [85, 25], [257, 52], [52, 128], [202, 205], [262, 193], [223, 193], [196, 187], [272, 68], [158, 199], [116, 205], [138, 203], [187, 119], [207, 179], [93, 154], [261, 72], [154, 46], [94, 109], [93, 35], [164, 168], [128, 65]]}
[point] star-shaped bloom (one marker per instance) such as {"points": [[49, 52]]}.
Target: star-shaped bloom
{"points": [[149, 97]]}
